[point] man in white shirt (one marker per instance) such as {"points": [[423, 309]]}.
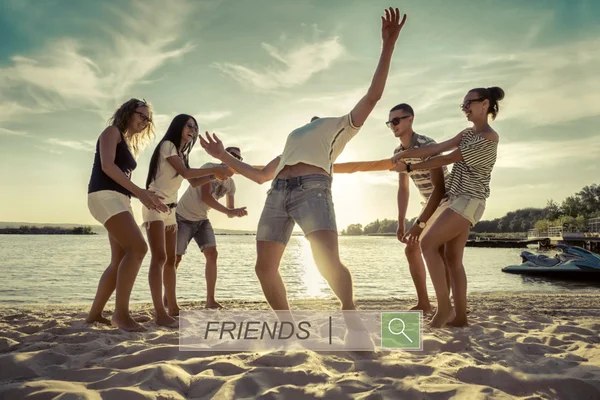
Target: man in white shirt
{"points": [[301, 190], [193, 222]]}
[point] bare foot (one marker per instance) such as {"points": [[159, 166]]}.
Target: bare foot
{"points": [[213, 304], [97, 318], [427, 309], [452, 315], [440, 318], [459, 322], [126, 323], [165, 320], [174, 312]]}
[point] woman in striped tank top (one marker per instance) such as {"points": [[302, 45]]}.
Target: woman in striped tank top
{"points": [[473, 153]]}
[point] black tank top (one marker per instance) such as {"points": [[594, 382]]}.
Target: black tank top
{"points": [[123, 159]]}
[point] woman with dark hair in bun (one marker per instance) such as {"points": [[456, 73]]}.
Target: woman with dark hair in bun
{"points": [[473, 153]]}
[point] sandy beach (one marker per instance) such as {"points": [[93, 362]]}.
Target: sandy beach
{"points": [[523, 346]]}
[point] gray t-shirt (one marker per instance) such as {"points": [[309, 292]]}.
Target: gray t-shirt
{"points": [[191, 206]]}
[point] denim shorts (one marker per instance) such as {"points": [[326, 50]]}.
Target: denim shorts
{"points": [[201, 231], [468, 207], [305, 200]]}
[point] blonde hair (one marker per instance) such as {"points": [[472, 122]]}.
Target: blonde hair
{"points": [[121, 118]]}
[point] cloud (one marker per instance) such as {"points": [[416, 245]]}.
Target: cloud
{"points": [[211, 116], [289, 68], [70, 73], [4, 131], [84, 145], [49, 150], [547, 154]]}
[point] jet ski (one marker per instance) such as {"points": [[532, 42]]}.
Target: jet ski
{"points": [[571, 262]]}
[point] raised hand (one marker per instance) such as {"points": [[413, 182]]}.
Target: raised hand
{"points": [[391, 25], [213, 145]]}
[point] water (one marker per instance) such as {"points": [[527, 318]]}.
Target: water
{"points": [[66, 269]]}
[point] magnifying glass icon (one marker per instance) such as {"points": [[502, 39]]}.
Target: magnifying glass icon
{"points": [[401, 331]]}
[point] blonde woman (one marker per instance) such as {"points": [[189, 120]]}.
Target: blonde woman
{"points": [[109, 201]]}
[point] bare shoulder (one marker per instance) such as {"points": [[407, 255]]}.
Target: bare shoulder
{"points": [[490, 135], [111, 133]]}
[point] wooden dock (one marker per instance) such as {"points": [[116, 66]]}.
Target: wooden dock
{"points": [[555, 235], [508, 243]]}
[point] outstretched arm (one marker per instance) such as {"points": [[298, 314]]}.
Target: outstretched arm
{"points": [[432, 163], [194, 173], [214, 146], [363, 166], [429, 151], [391, 25]]}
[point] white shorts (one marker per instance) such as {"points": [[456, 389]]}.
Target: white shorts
{"points": [[152, 215], [105, 204], [467, 207]]}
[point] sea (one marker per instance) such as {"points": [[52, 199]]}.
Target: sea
{"points": [[65, 269]]}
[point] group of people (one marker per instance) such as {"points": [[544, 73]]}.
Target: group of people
{"points": [[300, 193]]}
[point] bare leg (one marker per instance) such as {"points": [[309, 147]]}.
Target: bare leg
{"points": [[210, 273], [156, 238], [324, 245], [446, 227], [454, 254], [267, 270], [178, 259], [123, 229], [419, 276], [170, 270], [108, 283]]}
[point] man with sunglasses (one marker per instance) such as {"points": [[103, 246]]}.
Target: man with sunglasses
{"points": [[193, 222], [431, 186]]}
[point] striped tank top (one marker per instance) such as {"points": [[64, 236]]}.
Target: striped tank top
{"points": [[421, 178], [472, 175]]}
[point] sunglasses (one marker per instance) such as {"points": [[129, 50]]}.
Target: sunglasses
{"points": [[192, 127], [143, 117], [396, 121], [465, 106]]}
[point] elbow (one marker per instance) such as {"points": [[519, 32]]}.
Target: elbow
{"points": [[107, 168], [373, 98]]}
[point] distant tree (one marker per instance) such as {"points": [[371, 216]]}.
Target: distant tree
{"points": [[354, 229]]}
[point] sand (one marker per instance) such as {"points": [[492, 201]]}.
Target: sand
{"points": [[525, 346]]}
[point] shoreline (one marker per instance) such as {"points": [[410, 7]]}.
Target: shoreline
{"points": [[590, 300]]}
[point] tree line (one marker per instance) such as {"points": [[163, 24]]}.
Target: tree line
{"points": [[47, 230], [573, 212]]}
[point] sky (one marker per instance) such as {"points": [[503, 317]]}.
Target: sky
{"points": [[254, 71]]}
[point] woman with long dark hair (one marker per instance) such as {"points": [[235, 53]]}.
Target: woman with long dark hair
{"points": [[109, 201], [169, 166], [473, 153]]}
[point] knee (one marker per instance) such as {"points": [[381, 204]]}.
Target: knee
{"points": [[171, 262], [158, 259], [263, 270], [412, 250], [137, 250], [178, 260], [211, 254]]}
